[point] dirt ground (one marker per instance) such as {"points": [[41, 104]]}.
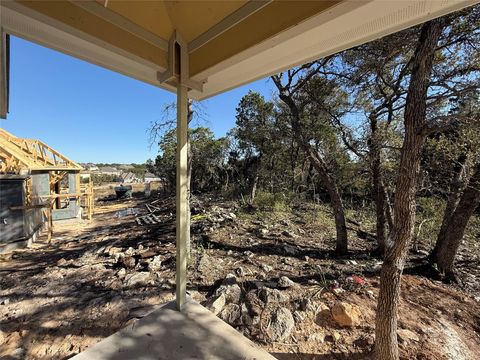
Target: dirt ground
{"points": [[97, 277]]}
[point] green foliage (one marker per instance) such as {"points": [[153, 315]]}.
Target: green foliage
{"points": [[99, 179], [277, 202], [208, 157], [429, 215], [350, 118]]}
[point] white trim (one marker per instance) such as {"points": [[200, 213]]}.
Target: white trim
{"points": [[228, 22], [4, 74], [118, 20], [346, 25], [33, 28], [182, 78]]}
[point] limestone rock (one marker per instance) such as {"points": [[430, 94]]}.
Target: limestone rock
{"points": [[284, 282], [406, 335], [4, 301], [128, 262], [204, 265], [262, 232], [281, 325], [230, 288], [61, 262], [254, 303], [272, 295], [122, 272], [155, 264], [218, 304], [317, 337], [130, 251], [305, 304], [266, 268], [336, 336], [139, 278], [346, 314], [231, 314], [298, 316]]}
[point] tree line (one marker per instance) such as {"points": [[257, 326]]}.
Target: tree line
{"points": [[389, 122]]}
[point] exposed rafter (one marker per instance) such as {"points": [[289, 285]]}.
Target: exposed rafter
{"points": [[29, 154]]}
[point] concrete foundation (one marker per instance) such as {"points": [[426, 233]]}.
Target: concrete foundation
{"points": [[166, 334]]}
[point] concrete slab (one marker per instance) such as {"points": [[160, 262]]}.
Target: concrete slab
{"points": [[166, 334]]}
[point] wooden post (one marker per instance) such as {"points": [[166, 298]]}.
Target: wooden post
{"points": [[181, 197]]}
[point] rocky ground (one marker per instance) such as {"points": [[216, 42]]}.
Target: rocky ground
{"points": [[271, 275]]}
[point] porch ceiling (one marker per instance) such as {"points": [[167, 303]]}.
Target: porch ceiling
{"points": [[230, 43]]}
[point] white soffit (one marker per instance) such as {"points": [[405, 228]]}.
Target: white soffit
{"points": [[348, 24], [22, 22]]}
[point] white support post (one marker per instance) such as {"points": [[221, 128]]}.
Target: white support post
{"points": [[4, 72], [181, 196]]}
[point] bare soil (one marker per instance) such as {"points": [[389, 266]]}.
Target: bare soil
{"points": [[97, 277]]}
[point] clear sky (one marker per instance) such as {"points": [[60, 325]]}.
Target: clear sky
{"points": [[92, 114]]}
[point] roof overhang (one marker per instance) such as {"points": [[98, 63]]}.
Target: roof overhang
{"points": [[229, 43]]}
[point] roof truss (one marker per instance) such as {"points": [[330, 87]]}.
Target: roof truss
{"points": [[30, 154]]}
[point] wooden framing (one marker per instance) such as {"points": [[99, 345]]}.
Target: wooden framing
{"points": [[31, 154], [19, 155]]}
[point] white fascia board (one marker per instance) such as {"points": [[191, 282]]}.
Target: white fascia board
{"points": [[350, 23]]}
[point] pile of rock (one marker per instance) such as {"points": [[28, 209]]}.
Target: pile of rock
{"points": [[268, 311], [245, 309], [207, 221]]}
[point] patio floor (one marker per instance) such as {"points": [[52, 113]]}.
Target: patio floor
{"points": [[166, 334]]}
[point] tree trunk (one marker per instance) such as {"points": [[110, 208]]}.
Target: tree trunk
{"points": [[452, 202], [386, 345], [388, 208], [378, 188], [341, 247], [327, 180], [254, 189], [456, 224]]}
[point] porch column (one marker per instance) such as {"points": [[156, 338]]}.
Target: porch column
{"points": [[181, 197]]}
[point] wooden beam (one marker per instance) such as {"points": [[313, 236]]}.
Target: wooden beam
{"points": [[60, 196]]}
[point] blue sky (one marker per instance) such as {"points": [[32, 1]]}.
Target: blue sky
{"points": [[92, 114]]}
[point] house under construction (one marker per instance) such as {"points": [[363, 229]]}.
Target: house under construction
{"points": [[38, 185]]}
